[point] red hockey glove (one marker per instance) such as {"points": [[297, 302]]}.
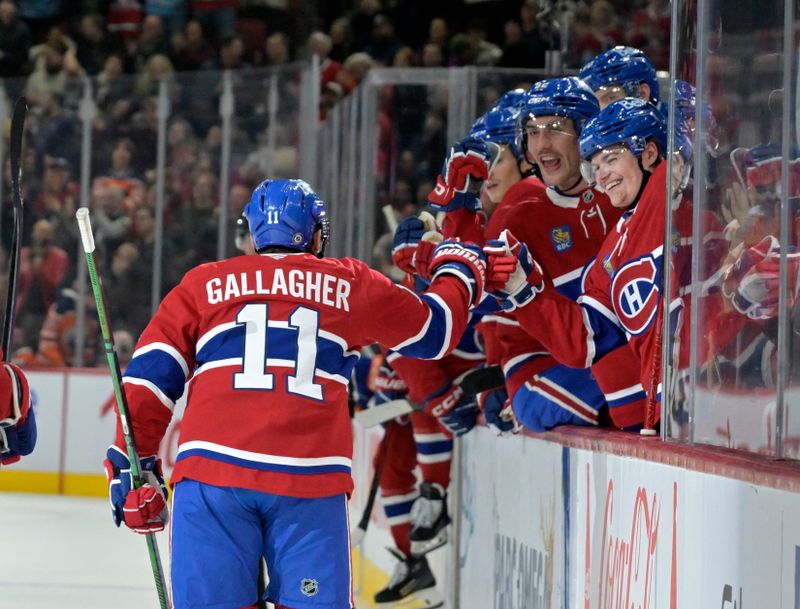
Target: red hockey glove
{"points": [[513, 276], [464, 260], [467, 165], [143, 510], [752, 283], [17, 421]]}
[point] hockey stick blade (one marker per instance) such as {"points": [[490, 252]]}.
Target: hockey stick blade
{"points": [[483, 379], [15, 154], [376, 415]]}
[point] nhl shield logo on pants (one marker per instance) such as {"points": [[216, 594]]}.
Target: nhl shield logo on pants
{"points": [[309, 587]]}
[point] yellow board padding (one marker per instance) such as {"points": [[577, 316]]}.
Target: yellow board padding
{"points": [[29, 482], [368, 578]]}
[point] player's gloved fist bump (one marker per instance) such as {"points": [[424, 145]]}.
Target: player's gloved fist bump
{"points": [[464, 260], [467, 165], [496, 405], [455, 411], [512, 274], [406, 238], [144, 509]]}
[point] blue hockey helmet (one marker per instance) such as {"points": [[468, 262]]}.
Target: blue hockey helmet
{"points": [[627, 67], [509, 99], [478, 129], [569, 97], [628, 121], [500, 127], [286, 213]]}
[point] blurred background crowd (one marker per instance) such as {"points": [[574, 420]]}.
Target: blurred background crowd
{"points": [[123, 49]]}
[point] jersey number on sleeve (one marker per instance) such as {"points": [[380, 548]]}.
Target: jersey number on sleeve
{"points": [[255, 318]]}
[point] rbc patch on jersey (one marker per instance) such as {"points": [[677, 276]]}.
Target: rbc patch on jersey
{"points": [[562, 238], [635, 292]]}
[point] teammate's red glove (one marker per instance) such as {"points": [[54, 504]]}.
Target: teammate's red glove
{"points": [[17, 421], [455, 411], [467, 165], [464, 260], [423, 255], [512, 275], [144, 509], [752, 283]]}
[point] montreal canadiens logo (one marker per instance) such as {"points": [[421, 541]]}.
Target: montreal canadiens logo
{"points": [[635, 294]]}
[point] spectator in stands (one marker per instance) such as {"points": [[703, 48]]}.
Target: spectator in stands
{"points": [[41, 15], [384, 44], [230, 55], [361, 23], [486, 53], [127, 289], [218, 17], [125, 18], [123, 172], [522, 51], [112, 222], [319, 44], [42, 267], [15, 41], [124, 344], [57, 72], [94, 43], [192, 50], [650, 32], [341, 39], [58, 337], [277, 49], [439, 34], [157, 68], [57, 202], [354, 69], [113, 93], [432, 55], [151, 41], [602, 33], [172, 13]]}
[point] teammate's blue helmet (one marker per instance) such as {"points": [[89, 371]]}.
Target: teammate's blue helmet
{"points": [[500, 127], [478, 129], [509, 99], [628, 121], [623, 66], [569, 97], [286, 213]]}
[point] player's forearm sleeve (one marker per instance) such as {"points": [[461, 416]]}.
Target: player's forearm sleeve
{"points": [[576, 334]]}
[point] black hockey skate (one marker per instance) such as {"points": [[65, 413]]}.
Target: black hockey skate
{"points": [[429, 519], [412, 585]]}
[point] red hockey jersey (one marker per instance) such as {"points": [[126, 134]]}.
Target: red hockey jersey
{"points": [[267, 344], [621, 296]]}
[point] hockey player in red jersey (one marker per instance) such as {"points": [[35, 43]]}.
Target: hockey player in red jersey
{"points": [[17, 419], [564, 222], [621, 72], [625, 146], [267, 343]]}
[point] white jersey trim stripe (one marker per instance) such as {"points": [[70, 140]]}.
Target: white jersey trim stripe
{"points": [[623, 393], [263, 457], [437, 458], [567, 277], [162, 397], [422, 438], [518, 359], [212, 333]]}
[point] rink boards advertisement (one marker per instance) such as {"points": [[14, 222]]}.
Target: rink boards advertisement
{"points": [[542, 525]]}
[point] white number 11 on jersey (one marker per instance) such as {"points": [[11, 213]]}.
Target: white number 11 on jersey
{"points": [[255, 318]]}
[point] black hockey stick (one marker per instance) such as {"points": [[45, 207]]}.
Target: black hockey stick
{"points": [[14, 156], [482, 379], [357, 535]]}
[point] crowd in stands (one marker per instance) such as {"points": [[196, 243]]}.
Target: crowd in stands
{"points": [[125, 48]]}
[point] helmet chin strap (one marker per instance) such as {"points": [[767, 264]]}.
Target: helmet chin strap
{"points": [[565, 192], [645, 179]]}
